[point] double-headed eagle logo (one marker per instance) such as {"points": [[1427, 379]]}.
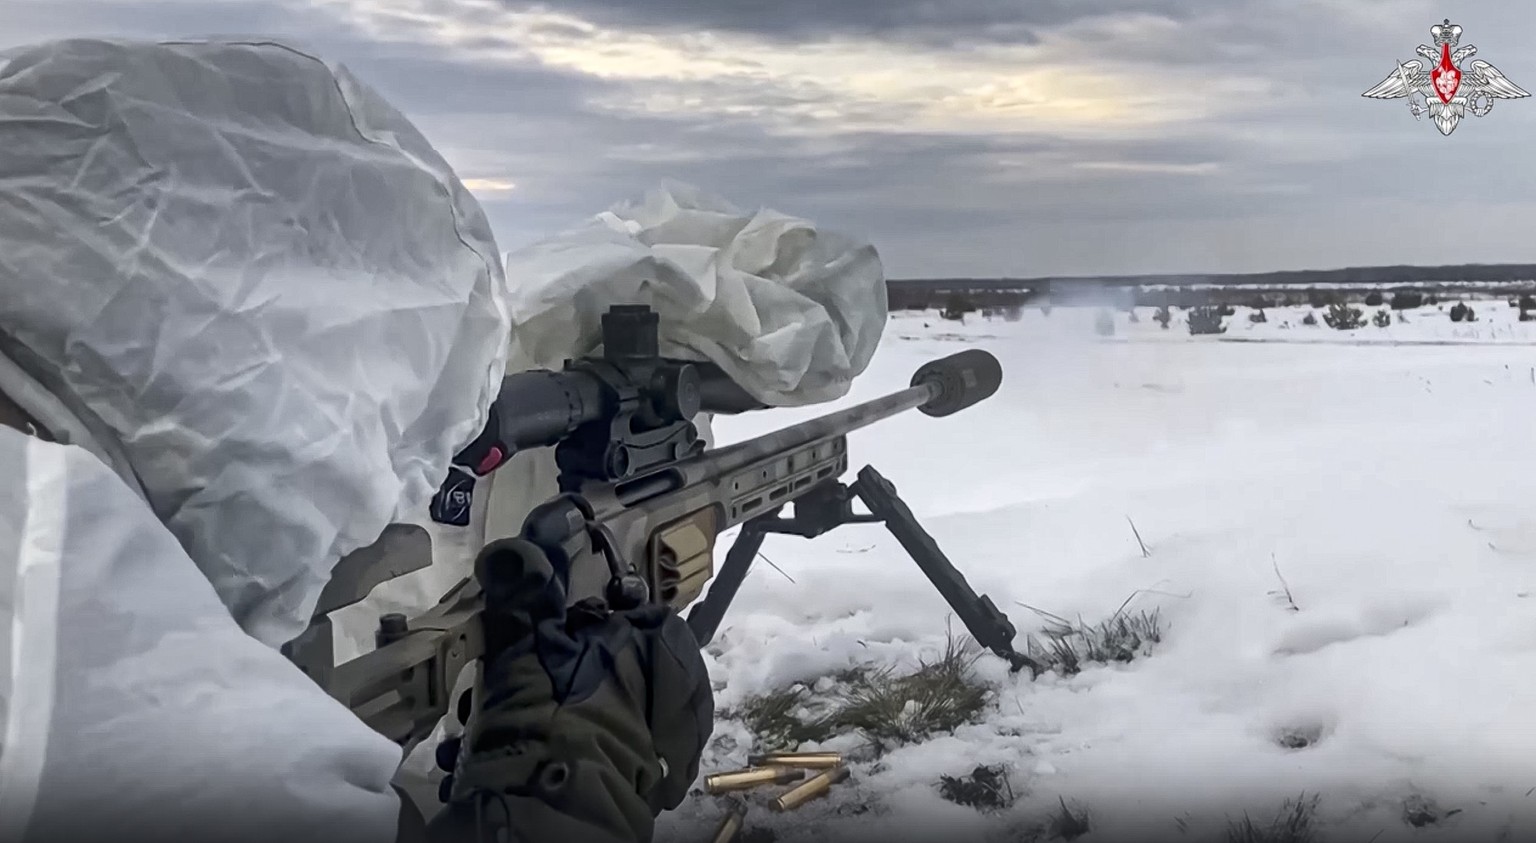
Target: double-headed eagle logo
{"points": [[1447, 91]]}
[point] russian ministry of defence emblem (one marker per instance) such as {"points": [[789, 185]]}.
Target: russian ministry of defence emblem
{"points": [[1447, 91]]}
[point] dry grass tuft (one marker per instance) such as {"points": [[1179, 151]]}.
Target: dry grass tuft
{"points": [[1294, 824], [1067, 646]]}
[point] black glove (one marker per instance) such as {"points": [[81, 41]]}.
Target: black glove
{"points": [[591, 722]]}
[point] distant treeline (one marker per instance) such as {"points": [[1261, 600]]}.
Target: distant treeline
{"points": [[1315, 287], [933, 295]]}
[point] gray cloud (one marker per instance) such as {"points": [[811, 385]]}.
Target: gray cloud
{"points": [[1294, 170], [934, 22], [29, 21]]}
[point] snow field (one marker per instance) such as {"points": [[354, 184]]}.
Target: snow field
{"points": [[1386, 488]]}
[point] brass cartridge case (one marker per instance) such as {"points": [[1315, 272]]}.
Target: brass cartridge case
{"points": [[803, 760], [811, 789], [750, 778], [730, 827]]}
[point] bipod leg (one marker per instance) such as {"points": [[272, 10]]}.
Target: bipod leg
{"points": [[986, 623], [704, 619]]}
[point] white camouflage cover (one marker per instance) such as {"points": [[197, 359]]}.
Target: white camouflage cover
{"points": [[277, 313]]}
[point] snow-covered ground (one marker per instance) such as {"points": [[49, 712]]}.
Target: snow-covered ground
{"points": [[1390, 485]]}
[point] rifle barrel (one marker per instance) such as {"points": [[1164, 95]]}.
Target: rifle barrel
{"points": [[743, 454], [939, 388]]}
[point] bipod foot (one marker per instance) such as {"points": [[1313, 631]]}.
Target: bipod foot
{"points": [[986, 623], [1017, 661]]}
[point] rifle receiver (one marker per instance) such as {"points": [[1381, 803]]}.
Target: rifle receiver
{"points": [[960, 380]]}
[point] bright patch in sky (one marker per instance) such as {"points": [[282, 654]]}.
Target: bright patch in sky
{"points": [[836, 84]]}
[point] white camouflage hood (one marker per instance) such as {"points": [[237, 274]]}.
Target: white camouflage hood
{"points": [[260, 282]]}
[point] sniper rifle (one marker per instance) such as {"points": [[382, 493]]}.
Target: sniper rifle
{"points": [[641, 505]]}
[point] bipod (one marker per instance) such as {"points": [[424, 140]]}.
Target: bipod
{"points": [[829, 506]]}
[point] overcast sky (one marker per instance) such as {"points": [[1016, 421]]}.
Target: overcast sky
{"points": [[964, 137]]}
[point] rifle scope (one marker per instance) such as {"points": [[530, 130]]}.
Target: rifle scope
{"points": [[631, 380], [595, 404]]}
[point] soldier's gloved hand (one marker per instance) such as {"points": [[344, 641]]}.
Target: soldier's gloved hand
{"points": [[591, 723]]}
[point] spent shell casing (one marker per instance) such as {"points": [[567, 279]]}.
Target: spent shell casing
{"points": [[730, 827], [804, 760], [752, 777], [812, 788]]}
